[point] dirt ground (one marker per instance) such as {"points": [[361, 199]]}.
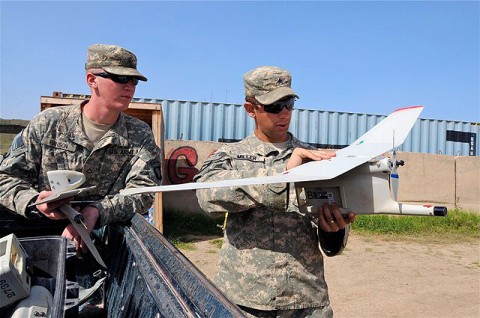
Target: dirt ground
{"points": [[379, 278]]}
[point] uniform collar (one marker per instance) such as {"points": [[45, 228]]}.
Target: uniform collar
{"points": [[117, 135], [265, 148]]}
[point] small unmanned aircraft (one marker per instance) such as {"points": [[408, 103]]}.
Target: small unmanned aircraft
{"points": [[360, 178]]}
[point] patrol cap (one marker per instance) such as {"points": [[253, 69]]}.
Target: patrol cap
{"points": [[268, 84], [113, 59]]}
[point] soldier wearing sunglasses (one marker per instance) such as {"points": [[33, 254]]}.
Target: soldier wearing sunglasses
{"points": [[271, 262], [113, 150]]}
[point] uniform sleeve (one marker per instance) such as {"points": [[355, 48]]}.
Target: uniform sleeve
{"points": [[144, 171], [19, 170], [227, 199]]}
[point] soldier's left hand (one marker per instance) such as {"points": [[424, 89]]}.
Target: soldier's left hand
{"points": [[90, 216], [330, 219], [302, 155]]}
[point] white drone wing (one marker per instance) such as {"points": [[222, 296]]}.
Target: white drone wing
{"points": [[373, 143]]}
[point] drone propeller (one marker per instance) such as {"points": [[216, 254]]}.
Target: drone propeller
{"points": [[394, 178]]}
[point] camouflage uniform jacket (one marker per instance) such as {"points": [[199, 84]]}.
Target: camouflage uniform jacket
{"points": [[270, 258], [126, 156]]}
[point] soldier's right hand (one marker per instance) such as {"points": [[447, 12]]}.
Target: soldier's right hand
{"points": [[50, 209]]}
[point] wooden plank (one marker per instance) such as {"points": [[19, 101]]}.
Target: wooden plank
{"points": [[60, 101], [158, 132]]}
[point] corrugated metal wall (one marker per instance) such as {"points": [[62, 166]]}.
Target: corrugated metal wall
{"points": [[216, 121]]}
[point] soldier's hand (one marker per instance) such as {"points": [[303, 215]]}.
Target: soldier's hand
{"points": [[50, 209], [330, 219], [90, 216], [302, 155], [71, 234]]}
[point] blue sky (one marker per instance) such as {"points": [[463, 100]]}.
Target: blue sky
{"points": [[349, 56]]}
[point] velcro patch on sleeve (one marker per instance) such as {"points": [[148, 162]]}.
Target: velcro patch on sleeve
{"points": [[17, 142]]}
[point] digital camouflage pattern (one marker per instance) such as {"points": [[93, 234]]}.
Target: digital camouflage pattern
{"points": [[113, 59], [323, 312], [268, 84], [270, 258], [126, 156]]}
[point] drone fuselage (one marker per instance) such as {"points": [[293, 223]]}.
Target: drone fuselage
{"points": [[365, 189]]}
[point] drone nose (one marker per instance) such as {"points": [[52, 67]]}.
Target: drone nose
{"points": [[440, 211]]}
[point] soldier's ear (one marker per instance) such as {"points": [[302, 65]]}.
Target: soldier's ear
{"points": [[250, 108], [91, 80]]}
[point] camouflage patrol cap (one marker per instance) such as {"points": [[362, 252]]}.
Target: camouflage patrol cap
{"points": [[113, 59], [268, 84]]}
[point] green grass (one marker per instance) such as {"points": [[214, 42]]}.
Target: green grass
{"points": [[178, 226], [7, 138], [181, 224], [5, 142], [217, 243], [181, 243], [458, 226]]}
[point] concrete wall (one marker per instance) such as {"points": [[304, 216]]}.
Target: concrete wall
{"points": [[425, 178], [467, 179]]}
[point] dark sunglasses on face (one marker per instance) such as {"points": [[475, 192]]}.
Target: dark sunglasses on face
{"points": [[122, 79], [278, 106]]}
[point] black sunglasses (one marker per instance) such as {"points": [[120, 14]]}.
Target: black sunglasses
{"points": [[122, 79], [278, 106]]}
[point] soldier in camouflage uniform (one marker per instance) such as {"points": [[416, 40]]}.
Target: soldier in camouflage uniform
{"points": [[270, 263], [113, 150]]}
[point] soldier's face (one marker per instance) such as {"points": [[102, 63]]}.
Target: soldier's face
{"points": [[271, 127], [117, 96]]}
